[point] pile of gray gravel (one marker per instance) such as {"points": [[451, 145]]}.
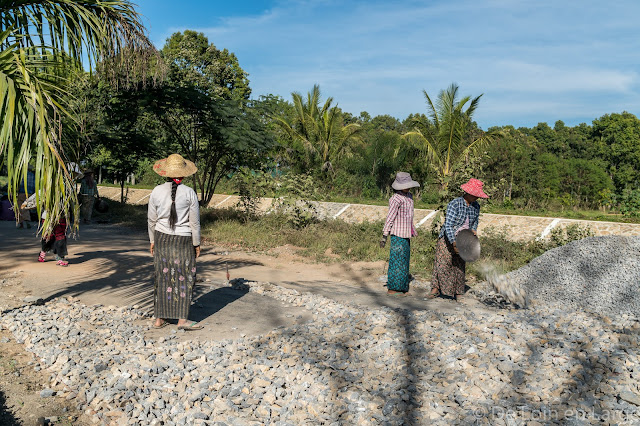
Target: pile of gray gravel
{"points": [[350, 365], [596, 274]]}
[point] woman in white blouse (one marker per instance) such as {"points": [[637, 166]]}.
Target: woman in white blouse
{"points": [[174, 232]]}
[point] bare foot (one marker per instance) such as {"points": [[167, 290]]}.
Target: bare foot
{"points": [[434, 293], [398, 293]]}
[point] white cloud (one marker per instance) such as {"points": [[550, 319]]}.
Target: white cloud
{"points": [[540, 58]]}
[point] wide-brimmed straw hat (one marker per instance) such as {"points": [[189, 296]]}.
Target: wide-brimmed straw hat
{"points": [[404, 181], [474, 187], [174, 166]]}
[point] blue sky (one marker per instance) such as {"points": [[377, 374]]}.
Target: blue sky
{"points": [[534, 61]]}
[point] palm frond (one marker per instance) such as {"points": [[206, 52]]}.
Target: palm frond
{"points": [[433, 111], [444, 139], [472, 106], [38, 38], [95, 29], [431, 151]]}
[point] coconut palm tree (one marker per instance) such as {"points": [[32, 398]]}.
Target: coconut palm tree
{"points": [[445, 137], [320, 129], [40, 41]]}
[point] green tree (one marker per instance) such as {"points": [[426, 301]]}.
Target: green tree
{"points": [[39, 41], [446, 137], [204, 110], [286, 153], [503, 163], [120, 140], [617, 138], [196, 63], [585, 182], [320, 128]]}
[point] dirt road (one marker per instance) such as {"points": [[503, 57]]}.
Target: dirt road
{"points": [[112, 266]]}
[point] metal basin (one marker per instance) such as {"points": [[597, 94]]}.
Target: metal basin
{"points": [[468, 245]]}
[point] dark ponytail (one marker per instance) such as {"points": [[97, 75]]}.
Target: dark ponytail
{"points": [[173, 216]]}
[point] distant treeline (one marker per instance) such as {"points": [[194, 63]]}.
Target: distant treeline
{"points": [[203, 109]]}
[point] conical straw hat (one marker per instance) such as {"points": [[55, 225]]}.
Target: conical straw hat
{"points": [[174, 166]]}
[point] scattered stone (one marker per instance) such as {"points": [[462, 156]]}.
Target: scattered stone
{"points": [[630, 397], [349, 365], [33, 300], [47, 393]]}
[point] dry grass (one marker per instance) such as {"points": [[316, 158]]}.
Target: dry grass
{"points": [[333, 240]]}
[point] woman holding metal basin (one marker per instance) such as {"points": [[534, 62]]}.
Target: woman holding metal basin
{"points": [[462, 215]]}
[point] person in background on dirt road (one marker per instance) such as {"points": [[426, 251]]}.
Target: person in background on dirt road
{"points": [[24, 191], [399, 225], [88, 195], [56, 241], [174, 232], [449, 268]]}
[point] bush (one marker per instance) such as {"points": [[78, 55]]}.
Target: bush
{"points": [[430, 195], [630, 203], [145, 176], [252, 187], [293, 199], [562, 236], [498, 248]]}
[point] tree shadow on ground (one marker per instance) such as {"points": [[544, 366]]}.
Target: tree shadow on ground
{"points": [[587, 372], [6, 416], [128, 276], [340, 350], [580, 380]]}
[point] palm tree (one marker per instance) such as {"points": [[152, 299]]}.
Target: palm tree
{"points": [[445, 137], [40, 41], [320, 129]]}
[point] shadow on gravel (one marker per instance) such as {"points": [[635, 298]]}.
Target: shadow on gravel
{"points": [[128, 276], [578, 399], [406, 407], [584, 371], [6, 417], [346, 383], [207, 303]]}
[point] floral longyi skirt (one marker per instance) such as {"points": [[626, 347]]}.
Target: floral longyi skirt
{"points": [[175, 275], [448, 270]]}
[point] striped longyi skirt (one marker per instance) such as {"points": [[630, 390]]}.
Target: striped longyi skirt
{"points": [[175, 275]]}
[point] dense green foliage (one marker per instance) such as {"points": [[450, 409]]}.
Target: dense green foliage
{"points": [[42, 42], [203, 110]]}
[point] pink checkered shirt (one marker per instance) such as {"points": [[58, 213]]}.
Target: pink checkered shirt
{"points": [[400, 217]]}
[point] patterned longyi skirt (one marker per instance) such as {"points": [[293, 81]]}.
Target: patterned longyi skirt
{"points": [[399, 256], [448, 270], [175, 275]]}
